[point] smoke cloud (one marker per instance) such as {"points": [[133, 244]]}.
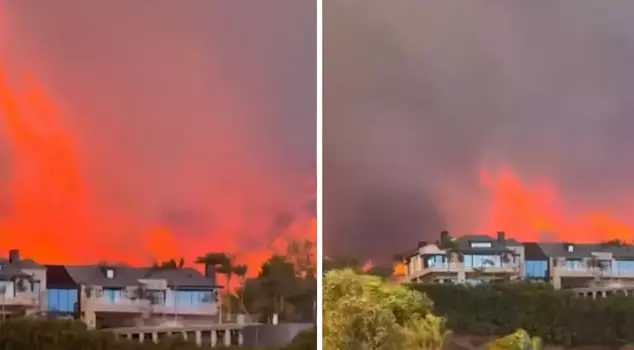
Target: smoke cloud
{"points": [[191, 127], [421, 96]]}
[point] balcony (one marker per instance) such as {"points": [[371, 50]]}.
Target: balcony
{"points": [[458, 267], [20, 299], [124, 305], [583, 271], [207, 309]]}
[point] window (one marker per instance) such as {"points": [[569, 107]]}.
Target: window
{"points": [[574, 264], [482, 260], [480, 244], [570, 248], [112, 295], [185, 298], [61, 300], [109, 274], [435, 261], [535, 268]]}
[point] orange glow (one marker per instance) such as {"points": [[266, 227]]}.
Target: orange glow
{"points": [[54, 216], [398, 269], [528, 210], [367, 266]]}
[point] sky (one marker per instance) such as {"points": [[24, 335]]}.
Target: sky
{"points": [[476, 117], [156, 129]]}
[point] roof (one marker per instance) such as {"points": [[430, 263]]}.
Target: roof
{"points": [[128, 276], [57, 276], [585, 250], [183, 277], [532, 251], [8, 271], [464, 243], [22, 263]]}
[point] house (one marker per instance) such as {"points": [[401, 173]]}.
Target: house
{"points": [[22, 286], [573, 265], [118, 295], [467, 259]]}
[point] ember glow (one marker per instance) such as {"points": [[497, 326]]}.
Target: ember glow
{"points": [[169, 147]]}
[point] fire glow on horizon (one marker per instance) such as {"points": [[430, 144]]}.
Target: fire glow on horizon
{"points": [[53, 215]]}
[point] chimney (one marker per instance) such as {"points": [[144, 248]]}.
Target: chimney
{"points": [[210, 272], [501, 237], [422, 244], [14, 256], [444, 237]]}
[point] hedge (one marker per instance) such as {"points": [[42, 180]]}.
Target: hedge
{"points": [[32, 334], [557, 317]]}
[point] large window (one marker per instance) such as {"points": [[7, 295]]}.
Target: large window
{"points": [[188, 298], [435, 261], [624, 266], [535, 268], [575, 264], [61, 300], [482, 260], [113, 295]]}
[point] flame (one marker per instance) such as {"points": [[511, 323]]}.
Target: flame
{"points": [[529, 210], [398, 270], [53, 215]]}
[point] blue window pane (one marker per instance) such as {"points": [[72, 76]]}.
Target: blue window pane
{"points": [[535, 268]]}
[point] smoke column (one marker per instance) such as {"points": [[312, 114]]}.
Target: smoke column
{"points": [[135, 131], [476, 117]]}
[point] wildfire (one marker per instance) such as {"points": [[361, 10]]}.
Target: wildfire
{"points": [[398, 270], [528, 210], [52, 214]]}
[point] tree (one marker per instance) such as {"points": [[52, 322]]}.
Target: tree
{"points": [[300, 254], [241, 272], [169, 264], [278, 280], [365, 312]]}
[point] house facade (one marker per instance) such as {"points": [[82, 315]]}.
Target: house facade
{"points": [[477, 258], [114, 296], [22, 286], [574, 265], [467, 259]]}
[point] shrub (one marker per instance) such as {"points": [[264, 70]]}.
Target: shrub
{"points": [[557, 317], [365, 312]]}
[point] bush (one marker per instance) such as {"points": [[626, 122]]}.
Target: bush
{"points": [[557, 317], [30, 334], [365, 312]]}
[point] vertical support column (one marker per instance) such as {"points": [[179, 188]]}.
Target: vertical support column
{"points": [[155, 337], [199, 337], [227, 337], [184, 335], [240, 337], [214, 337], [141, 337]]}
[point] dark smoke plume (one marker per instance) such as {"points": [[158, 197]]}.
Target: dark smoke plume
{"points": [[420, 94]]}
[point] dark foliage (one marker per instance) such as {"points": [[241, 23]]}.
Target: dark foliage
{"points": [[29, 334], [558, 317]]}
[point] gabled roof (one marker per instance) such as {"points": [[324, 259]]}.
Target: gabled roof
{"points": [[585, 250], [125, 276], [464, 243]]}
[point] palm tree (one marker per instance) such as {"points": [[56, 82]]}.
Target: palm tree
{"points": [[213, 262], [241, 272]]}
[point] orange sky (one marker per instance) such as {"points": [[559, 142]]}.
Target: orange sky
{"points": [[153, 140]]}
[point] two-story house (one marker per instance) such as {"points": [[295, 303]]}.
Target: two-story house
{"points": [[571, 265], [22, 282], [466, 259], [115, 295]]}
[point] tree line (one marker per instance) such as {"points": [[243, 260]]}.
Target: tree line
{"points": [[285, 285]]}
